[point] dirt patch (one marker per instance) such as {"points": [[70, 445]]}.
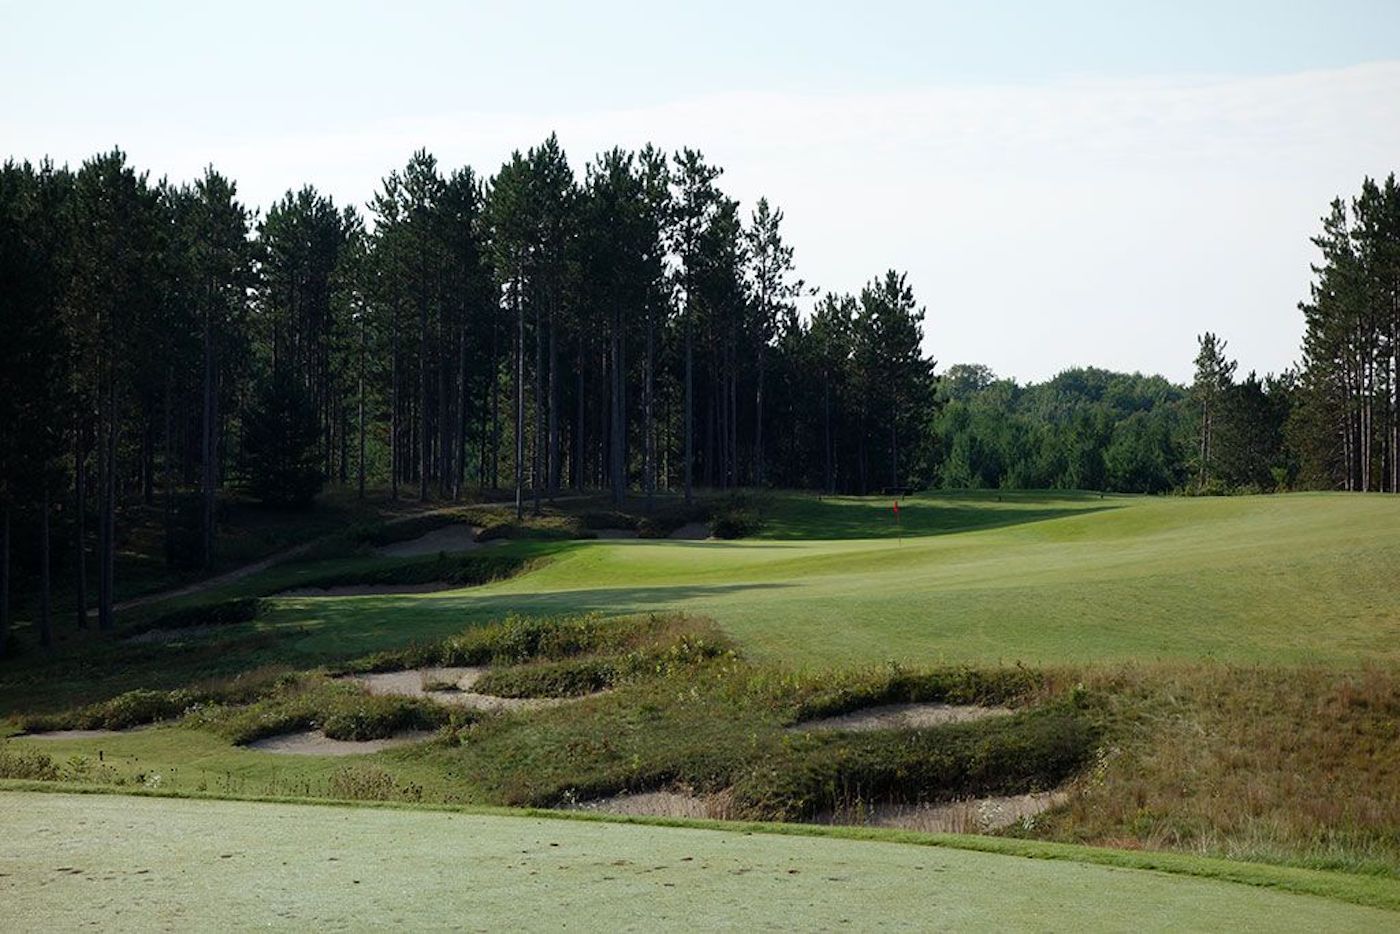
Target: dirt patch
{"points": [[973, 815], [449, 686], [676, 803], [316, 743], [614, 533], [692, 531], [450, 539], [367, 590], [901, 717]]}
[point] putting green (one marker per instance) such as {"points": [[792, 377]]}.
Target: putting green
{"points": [[124, 863], [985, 578]]}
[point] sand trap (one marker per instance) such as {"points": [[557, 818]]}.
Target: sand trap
{"points": [[973, 815], [449, 539], [316, 743], [659, 804], [411, 684], [901, 717], [614, 533], [367, 590], [692, 531]]}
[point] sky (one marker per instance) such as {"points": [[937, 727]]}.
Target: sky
{"points": [[1068, 183]]}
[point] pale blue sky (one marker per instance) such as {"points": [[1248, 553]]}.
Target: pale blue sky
{"points": [[1065, 182]]}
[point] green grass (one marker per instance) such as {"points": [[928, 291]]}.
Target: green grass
{"points": [[1041, 579], [215, 864]]}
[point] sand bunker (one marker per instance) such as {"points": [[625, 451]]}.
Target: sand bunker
{"points": [[972, 815], [614, 533], [449, 539], [367, 590], [449, 686], [902, 717], [659, 804], [316, 743], [692, 531]]}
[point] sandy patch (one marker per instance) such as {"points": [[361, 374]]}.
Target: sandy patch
{"points": [[692, 531], [367, 590], [316, 743], [902, 717], [451, 686], [449, 539], [614, 533], [973, 815], [659, 804]]}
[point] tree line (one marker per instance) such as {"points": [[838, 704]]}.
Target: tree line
{"points": [[626, 328]]}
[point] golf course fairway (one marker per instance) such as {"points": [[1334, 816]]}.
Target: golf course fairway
{"points": [[71, 861]]}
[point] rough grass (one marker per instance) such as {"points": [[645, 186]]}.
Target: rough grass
{"points": [[1299, 766], [338, 709]]}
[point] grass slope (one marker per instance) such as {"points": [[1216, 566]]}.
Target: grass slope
{"points": [[222, 864], [1037, 578]]}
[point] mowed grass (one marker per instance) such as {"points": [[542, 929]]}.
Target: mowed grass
{"points": [[1043, 579], [71, 861]]}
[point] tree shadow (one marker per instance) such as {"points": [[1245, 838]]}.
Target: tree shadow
{"points": [[853, 519]]}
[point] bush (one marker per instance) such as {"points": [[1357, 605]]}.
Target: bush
{"points": [[223, 613], [736, 516], [469, 570], [570, 678], [35, 766], [608, 519], [665, 521]]}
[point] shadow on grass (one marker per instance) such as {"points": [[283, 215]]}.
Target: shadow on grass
{"points": [[850, 518], [303, 633], [335, 629]]}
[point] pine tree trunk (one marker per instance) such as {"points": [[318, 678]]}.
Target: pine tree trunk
{"points": [[826, 435], [580, 437], [758, 422], [649, 416], [4, 579], [519, 406], [208, 447], [537, 453], [615, 471], [106, 619], [552, 463], [45, 616], [80, 521], [689, 414], [424, 442], [171, 546]]}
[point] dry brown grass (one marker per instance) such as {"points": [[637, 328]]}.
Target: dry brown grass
{"points": [[1295, 765]]}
